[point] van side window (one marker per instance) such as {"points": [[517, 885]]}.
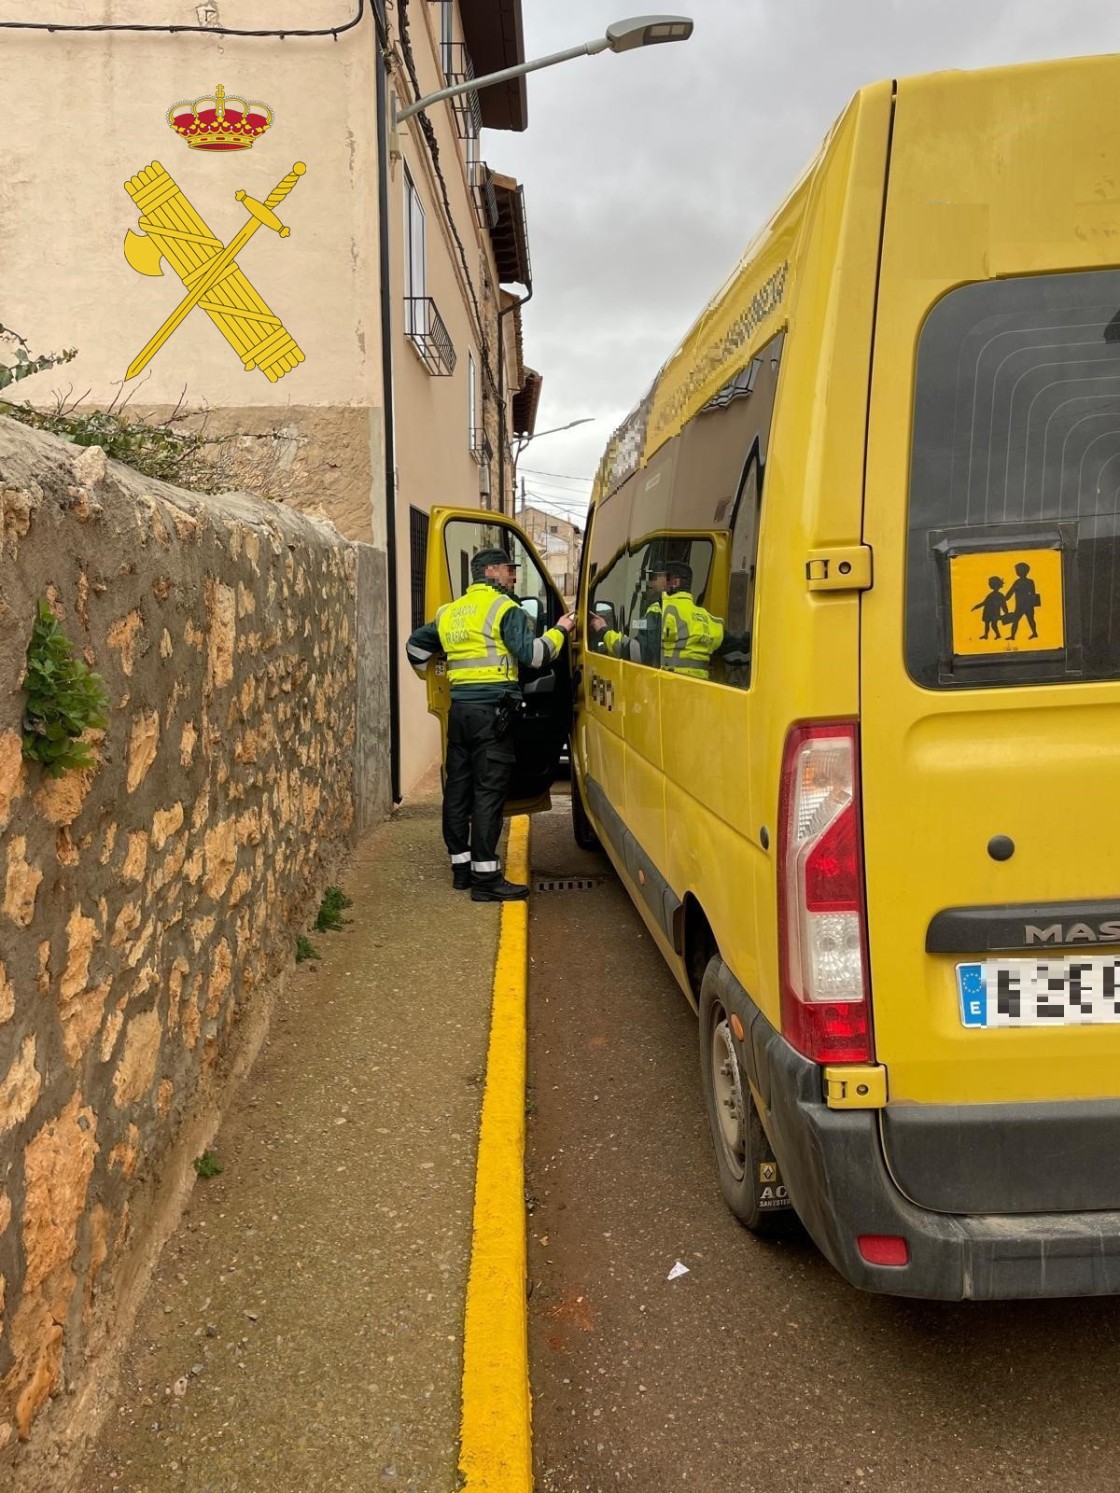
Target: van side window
{"points": [[747, 511], [699, 528], [1013, 550], [608, 567], [608, 601]]}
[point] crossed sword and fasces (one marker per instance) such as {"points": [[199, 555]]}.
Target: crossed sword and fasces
{"points": [[172, 230]]}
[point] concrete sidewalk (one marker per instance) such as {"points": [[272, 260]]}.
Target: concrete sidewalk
{"points": [[304, 1329]]}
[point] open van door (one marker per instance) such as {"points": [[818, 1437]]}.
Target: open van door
{"points": [[541, 726]]}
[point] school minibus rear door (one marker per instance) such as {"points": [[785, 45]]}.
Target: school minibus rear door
{"points": [[543, 722], [990, 642]]}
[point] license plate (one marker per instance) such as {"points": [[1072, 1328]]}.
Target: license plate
{"points": [[1040, 992]]}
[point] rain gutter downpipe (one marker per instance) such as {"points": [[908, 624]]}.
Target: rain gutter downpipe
{"points": [[380, 39]]}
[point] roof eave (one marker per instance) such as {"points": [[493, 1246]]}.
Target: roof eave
{"points": [[495, 38]]}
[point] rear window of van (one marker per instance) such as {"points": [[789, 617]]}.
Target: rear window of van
{"points": [[1013, 557]]}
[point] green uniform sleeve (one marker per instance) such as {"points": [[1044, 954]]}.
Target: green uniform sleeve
{"points": [[530, 651], [423, 645]]}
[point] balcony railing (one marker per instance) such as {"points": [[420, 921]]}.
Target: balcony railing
{"points": [[426, 331], [458, 68], [481, 449], [485, 198]]}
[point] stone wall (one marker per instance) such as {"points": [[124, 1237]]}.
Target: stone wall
{"points": [[328, 461], [146, 904]]}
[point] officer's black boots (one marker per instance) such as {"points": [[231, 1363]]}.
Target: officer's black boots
{"points": [[499, 891], [461, 878]]}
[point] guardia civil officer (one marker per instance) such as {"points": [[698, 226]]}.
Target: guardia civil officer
{"points": [[645, 648], [690, 635], [484, 635]]}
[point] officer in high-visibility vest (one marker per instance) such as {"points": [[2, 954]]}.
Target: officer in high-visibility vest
{"points": [[484, 636], [645, 646], [691, 636]]}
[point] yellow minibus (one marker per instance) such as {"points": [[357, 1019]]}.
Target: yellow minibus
{"points": [[847, 702]]}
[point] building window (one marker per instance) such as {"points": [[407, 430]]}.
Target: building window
{"points": [[414, 278], [472, 404], [447, 36], [471, 144], [418, 547]]}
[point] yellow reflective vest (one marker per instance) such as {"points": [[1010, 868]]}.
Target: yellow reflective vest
{"points": [[689, 636], [470, 632], [644, 647]]}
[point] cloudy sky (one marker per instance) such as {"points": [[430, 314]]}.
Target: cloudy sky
{"points": [[647, 173]]}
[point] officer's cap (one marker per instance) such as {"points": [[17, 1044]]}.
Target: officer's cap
{"points": [[679, 569], [485, 558]]}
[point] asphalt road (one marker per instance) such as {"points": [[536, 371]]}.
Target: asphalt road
{"points": [[760, 1369]]}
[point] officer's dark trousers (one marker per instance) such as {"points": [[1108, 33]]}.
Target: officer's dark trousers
{"points": [[478, 771]]}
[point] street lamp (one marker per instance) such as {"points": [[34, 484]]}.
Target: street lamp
{"points": [[621, 36], [524, 440]]}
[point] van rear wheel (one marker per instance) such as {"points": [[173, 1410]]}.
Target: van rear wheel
{"points": [[582, 829], [749, 1176]]}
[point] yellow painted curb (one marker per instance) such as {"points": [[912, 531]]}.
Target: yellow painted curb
{"points": [[496, 1447]]}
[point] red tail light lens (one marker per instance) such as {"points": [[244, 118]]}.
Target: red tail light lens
{"points": [[825, 1008], [884, 1249]]}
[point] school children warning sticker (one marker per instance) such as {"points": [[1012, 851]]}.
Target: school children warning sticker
{"points": [[1007, 602]]}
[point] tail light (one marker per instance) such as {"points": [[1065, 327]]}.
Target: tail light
{"points": [[825, 1006]]}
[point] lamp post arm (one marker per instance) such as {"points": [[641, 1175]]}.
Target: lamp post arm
{"points": [[586, 49]]}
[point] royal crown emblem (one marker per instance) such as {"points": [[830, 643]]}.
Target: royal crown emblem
{"points": [[218, 122]]}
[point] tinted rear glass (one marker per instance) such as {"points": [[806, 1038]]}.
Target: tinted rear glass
{"points": [[1014, 515]]}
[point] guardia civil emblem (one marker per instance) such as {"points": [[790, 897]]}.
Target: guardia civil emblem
{"points": [[171, 231]]}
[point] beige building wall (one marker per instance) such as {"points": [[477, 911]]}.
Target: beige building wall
{"points": [[435, 463], [82, 114]]}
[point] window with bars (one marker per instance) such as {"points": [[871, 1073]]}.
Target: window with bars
{"points": [[418, 546], [415, 287]]}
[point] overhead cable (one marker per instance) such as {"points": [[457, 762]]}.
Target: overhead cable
{"points": [[168, 30]]}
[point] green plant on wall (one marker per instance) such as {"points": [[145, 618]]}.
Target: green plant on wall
{"points": [[305, 949], [25, 363], [64, 699], [163, 450], [330, 917]]}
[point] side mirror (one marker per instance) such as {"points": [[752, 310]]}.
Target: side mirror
{"points": [[531, 606], [605, 609]]}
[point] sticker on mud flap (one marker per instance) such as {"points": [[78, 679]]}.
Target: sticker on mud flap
{"points": [[768, 1171], [774, 1197], [1007, 602]]}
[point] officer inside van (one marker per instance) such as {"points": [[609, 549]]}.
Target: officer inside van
{"points": [[690, 636], [645, 646]]}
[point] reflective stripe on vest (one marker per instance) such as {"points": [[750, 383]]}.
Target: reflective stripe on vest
{"points": [[697, 636], [470, 631]]}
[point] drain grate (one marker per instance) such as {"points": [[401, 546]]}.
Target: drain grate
{"points": [[568, 883]]}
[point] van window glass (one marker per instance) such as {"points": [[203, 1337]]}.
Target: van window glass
{"points": [[695, 511], [747, 510], [463, 538], [1014, 508], [608, 567], [609, 530]]}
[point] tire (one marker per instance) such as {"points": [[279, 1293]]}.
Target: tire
{"points": [[582, 830], [749, 1176]]}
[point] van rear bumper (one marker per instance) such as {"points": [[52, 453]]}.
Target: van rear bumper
{"points": [[832, 1163]]}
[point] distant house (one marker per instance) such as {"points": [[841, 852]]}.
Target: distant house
{"points": [[557, 541]]}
